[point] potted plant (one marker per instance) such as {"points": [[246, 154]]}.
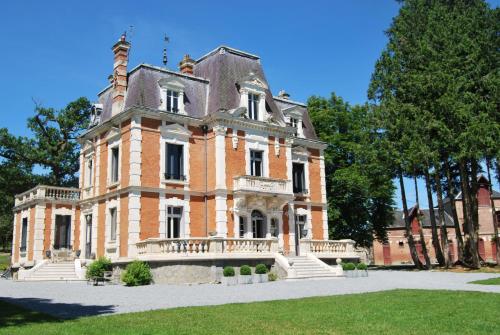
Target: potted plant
{"points": [[228, 278], [349, 269], [245, 275], [362, 269], [260, 275]]}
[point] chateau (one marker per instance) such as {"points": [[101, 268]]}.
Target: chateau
{"points": [[188, 169]]}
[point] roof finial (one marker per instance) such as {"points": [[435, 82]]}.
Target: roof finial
{"points": [[165, 41]]}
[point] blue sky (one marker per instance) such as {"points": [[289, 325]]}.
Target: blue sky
{"points": [[54, 53]]}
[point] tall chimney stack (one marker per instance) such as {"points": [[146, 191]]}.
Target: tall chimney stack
{"points": [[186, 65], [119, 79]]}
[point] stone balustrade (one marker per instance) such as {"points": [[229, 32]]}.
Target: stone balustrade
{"points": [[329, 248], [53, 193], [262, 184], [206, 247]]}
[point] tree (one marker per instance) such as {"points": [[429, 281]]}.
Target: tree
{"points": [[53, 149], [358, 182], [439, 75]]}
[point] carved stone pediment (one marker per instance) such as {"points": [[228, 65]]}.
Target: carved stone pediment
{"points": [[300, 153], [252, 80], [175, 130], [113, 134], [172, 83]]}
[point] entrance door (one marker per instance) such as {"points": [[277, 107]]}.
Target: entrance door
{"points": [[88, 236], [386, 251], [420, 252], [300, 231], [258, 225], [63, 232]]}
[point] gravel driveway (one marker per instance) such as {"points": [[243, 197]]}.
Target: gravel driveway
{"points": [[71, 300]]}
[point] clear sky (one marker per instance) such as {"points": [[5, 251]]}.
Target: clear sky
{"points": [[54, 53]]}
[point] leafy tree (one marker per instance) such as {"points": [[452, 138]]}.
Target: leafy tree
{"points": [[358, 182], [53, 149]]}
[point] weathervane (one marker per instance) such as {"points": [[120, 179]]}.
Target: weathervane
{"points": [[165, 41]]}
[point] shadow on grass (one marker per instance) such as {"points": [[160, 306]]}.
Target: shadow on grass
{"points": [[23, 311]]}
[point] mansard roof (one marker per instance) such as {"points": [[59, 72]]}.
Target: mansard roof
{"points": [[214, 86]]}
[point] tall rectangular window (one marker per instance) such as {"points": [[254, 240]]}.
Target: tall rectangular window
{"points": [[174, 162], [112, 215], [294, 123], [253, 106], [242, 227], [174, 215], [299, 185], [115, 163], [256, 163], [172, 101], [24, 234]]}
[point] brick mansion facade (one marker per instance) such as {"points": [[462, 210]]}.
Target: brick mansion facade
{"points": [[203, 162]]}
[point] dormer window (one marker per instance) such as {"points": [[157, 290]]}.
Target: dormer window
{"points": [[253, 96], [172, 101], [294, 116], [253, 106], [172, 95]]}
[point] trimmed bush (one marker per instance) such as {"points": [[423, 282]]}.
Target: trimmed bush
{"points": [[245, 270], [97, 267], [137, 273], [272, 276], [260, 269], [362, 266], [228, 271], [348, 266]]}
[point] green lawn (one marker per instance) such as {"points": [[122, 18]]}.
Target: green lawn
{"points": [[393, 312], [490, 281], [4, 261]]}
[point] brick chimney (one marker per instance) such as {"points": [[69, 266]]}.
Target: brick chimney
{"points": [[119, 76], [186, 65]]}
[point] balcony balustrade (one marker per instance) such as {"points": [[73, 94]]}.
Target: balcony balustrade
{"points": [[252, 184], [53, 193]]}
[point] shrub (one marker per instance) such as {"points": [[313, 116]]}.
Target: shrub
{"points": [[272, 276], [348, 266], [137, 273], [97, 267], [260, 269], [245, 270], [228, 271], [362, 266]]}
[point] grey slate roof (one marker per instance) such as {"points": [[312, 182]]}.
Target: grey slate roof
{"points": [[216, 73], [399, 222]]}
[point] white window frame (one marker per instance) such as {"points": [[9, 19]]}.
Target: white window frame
{"points": [[184, 229], [114, 142], [301, 155], [169, 222], [179, 135], [253, 170], [175, 85], [113, 223], [257, 142], [252, 84]]}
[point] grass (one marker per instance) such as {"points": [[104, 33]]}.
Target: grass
{"points": [[489, 281], [4, 261], [392, 312]]}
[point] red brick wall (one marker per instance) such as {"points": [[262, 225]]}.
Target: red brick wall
{"points": [[150, 203]]}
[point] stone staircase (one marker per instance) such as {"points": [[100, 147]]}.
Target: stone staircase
{"points": [[61, 271], [306, 267]]}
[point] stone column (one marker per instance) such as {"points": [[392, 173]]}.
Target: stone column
{"points": [[291, 228], [134, 219], [38, 251], [135, 151], [323, 193], [220, 181]]}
